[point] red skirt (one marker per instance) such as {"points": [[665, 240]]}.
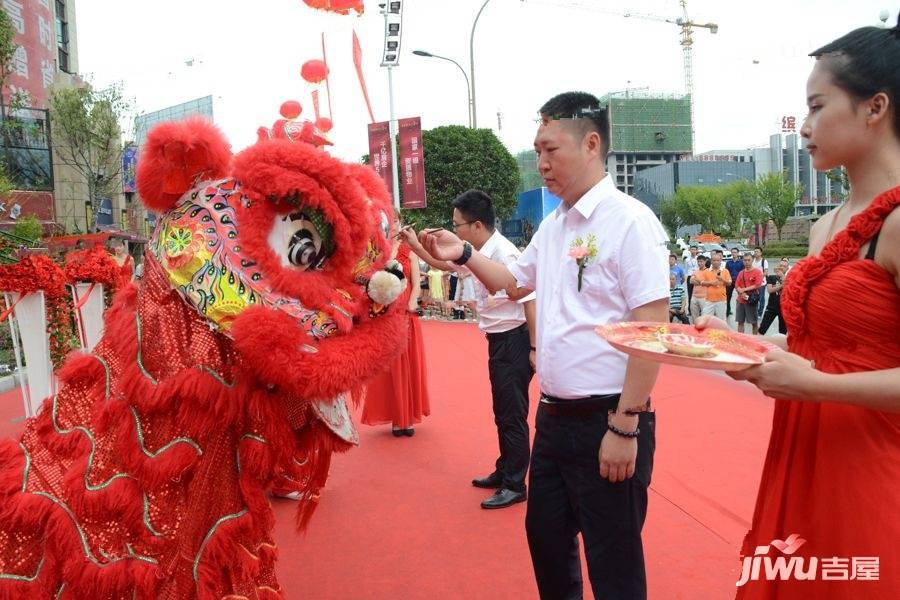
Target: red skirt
{"points": [[399, 395]]}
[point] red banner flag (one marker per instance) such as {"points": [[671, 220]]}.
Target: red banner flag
{"points": [[380, 157], [315, 99], [412, 163], [357, 62]]}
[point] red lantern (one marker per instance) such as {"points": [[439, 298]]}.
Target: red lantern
{"points": [[341, 7], [314, 71], [291, 109], [324, 124]]}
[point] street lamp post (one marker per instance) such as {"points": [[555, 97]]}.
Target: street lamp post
{"points": [[469, 101], [472, 63]]}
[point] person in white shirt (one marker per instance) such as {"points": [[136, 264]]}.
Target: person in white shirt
{"points": [[509, 327], [763, 265], [599, 258]]}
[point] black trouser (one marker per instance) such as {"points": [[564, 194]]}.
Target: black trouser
{"points": [[769, 316], [454, 280], [510, 373], [690, 291], [729, 290], [568, 495]]}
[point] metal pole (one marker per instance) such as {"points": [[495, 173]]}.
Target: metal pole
{"points": [[472, 63], [392, 127]]}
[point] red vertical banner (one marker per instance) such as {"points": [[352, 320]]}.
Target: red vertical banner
{"points": [[412, 163], [33, 66], [380, 153]]}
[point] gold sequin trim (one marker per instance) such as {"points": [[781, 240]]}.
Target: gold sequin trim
{"points": [[209, 535]]}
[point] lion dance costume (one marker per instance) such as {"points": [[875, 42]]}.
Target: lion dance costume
{"points": [[266, 298]]}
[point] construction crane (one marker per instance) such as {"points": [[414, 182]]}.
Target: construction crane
{"points": [[687, 40]]}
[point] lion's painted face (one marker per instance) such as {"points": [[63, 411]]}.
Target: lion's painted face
{"points": [[199, 246], [277, 252]]}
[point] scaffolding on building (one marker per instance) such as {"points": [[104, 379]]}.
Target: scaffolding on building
{"points": [[649, 123]]}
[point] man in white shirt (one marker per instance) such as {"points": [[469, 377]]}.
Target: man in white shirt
{"points": [[599, 258], [763, 265], [509, 327]]}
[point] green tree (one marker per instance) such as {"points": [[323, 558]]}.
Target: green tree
{"points": [[29, 228], [778, 196], [458, 159], [839, 175], [88, 137], [670, 217], [700, 205]]}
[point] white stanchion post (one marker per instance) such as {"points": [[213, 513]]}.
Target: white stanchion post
{"points": [[89, 318], [31, 320]]}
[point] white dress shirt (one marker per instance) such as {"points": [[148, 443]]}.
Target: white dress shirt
{"points": [[496, 312], [631, 269], [691, 266]]}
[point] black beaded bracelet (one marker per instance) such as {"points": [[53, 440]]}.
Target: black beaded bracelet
{"points": [[625, 434]]}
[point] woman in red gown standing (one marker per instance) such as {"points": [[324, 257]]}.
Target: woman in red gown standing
{"points": [[399, 395], [830, 488]]}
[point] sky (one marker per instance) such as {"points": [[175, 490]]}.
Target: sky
{"points": [[247, 55]]}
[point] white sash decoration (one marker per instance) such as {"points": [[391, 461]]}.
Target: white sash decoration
{"points": [[89, 316], [30, 318]]}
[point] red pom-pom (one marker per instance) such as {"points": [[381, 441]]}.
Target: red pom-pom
{"points": [[175, 156], [324, 124], [291, 109], [314, 71]]}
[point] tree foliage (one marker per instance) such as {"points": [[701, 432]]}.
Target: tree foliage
{"points": [[29, 228], [88, 137], [458, 159], [732, 209], [778, 196]]}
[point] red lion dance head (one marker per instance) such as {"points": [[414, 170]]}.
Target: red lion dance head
{"points": [[267, 296]]}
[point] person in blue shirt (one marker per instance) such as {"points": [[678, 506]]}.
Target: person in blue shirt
{"points": [[735, 265], [676, 270]]}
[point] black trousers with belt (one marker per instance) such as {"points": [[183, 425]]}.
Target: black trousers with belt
{"points": [[510, 373], [568, 496]]}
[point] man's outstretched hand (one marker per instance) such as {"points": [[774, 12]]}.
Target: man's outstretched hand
{"points": [[441, 244]]}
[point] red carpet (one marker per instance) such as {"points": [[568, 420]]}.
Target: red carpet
{"points": [[399, 518]]}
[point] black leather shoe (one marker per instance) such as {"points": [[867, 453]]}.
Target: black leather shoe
{"points": [[397, 432], [492, 481], [408, 432], [503, 498]]}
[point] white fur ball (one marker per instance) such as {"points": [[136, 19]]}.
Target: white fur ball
{"points": [[385, 287]]}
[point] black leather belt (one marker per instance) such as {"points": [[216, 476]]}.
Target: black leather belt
{"points": [[581, 406], [523, 328]]}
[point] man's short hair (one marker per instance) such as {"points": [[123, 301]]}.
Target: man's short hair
{"points": [[695, 246], [758, 248], [673, 256], [583, 110], [722, 252], [476, 205], [707, 261], [735, 248], [748, 255]]}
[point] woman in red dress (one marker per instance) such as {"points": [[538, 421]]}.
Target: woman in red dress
{"points": [[830, 488], [399, 395]]}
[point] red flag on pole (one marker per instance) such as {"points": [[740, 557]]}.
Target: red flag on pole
{"points": [[315, 99], [357, 61]]}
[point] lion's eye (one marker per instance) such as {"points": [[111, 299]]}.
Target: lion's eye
{"points": [[303, 239]]}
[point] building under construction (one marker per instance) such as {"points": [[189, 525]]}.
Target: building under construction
{"points": [[646, 130]]}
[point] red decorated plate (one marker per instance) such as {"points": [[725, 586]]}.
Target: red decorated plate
{"points": [[686, 346]]}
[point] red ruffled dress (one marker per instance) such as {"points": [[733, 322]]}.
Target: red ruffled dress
{"points": [[832, 472], [399, 395]]}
